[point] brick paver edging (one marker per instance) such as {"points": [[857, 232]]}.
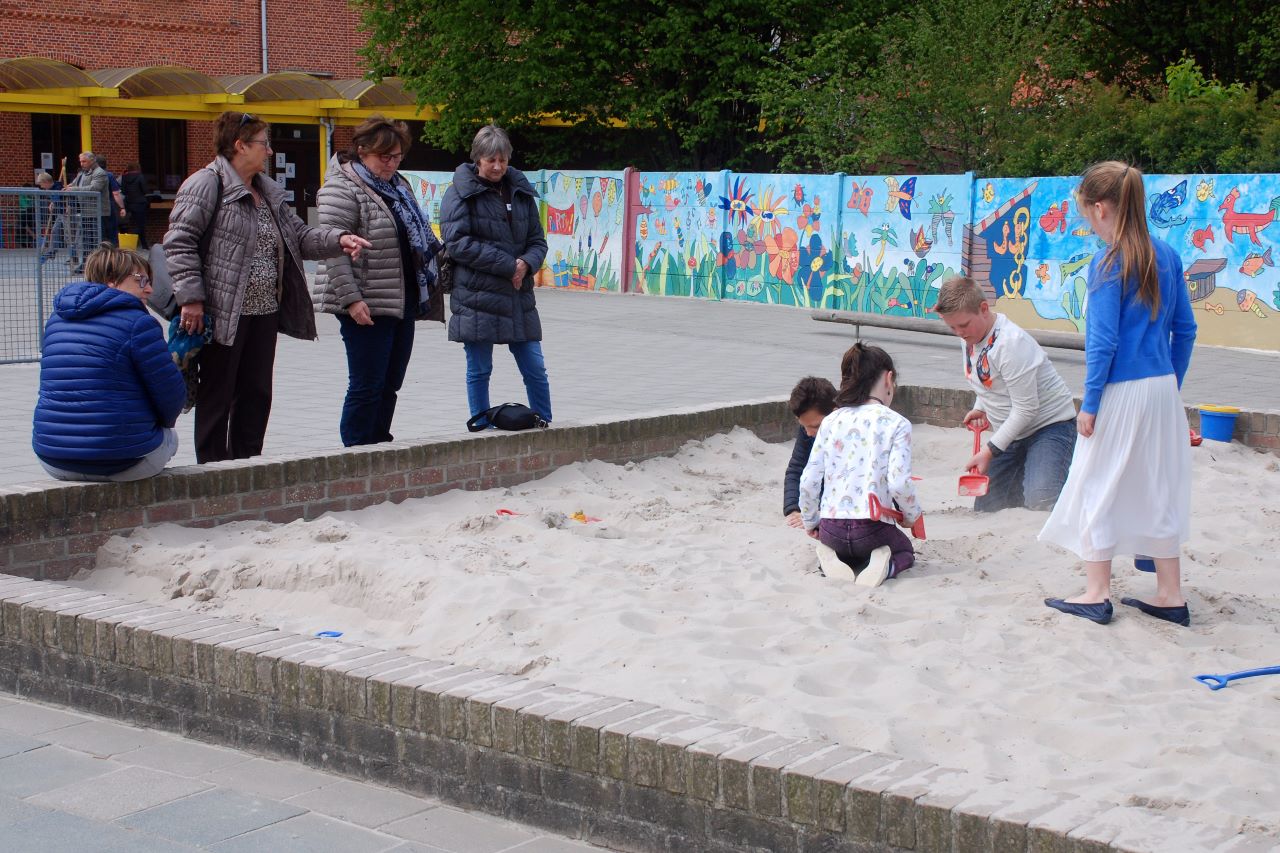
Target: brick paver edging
{"points": [[621, 773], [53, 530]]}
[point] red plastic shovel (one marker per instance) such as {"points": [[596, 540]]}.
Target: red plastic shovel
{"points": [[894, 515], [973, 484]]}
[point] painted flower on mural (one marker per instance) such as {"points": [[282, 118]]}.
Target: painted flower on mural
{"points": [[767, 212], [815, 263], [784, 255], [726, 258], [809, 217], [738, 204], [749, 250]]}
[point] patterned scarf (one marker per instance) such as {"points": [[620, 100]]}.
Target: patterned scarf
{"points": [[421, 238], [982, 362]]}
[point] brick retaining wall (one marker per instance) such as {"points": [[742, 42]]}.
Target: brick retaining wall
{"points": [[616, 772]]}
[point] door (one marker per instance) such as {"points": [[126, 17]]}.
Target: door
{"points": [[296, 163]]}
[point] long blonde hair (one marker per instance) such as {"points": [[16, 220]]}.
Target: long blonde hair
{"points": [[1121, 184]]}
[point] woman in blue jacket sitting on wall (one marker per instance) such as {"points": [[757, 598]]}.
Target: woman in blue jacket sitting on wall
{"points": [[109, 391]]}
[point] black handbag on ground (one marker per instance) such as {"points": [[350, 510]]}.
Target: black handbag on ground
{"points": [[509, 416]]}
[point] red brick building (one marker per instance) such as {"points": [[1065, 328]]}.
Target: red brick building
{"points": [[141, 81]]}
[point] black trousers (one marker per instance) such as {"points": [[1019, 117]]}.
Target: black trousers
{"points": [[233, 397], [138, 223]]}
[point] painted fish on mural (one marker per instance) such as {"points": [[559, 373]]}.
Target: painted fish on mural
{"points": [[1201, 236], [1055, 218], [894, 302], [920, 244], [1042, 273], [860, 198], [989, 193], [1253, 263], [901, 194], [1165, 204], [1083, 231], [1245, 223], [1204, 190]]}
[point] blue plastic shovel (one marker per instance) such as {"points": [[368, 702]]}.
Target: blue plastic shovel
{"points": [[1217, 682]]}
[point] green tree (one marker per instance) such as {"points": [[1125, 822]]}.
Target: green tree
{"points": [[1131, 42], [682, 73]]}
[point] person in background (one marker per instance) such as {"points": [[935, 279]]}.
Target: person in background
{"points": [[109, 392], [250, 284], [90, 178], [52, 220], [812, 399], [133, 186], [493, 231], [379, 300], [1129, 490], [117, 203]]}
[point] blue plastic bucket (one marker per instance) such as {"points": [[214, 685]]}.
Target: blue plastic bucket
{"points": [[1217, 423]]}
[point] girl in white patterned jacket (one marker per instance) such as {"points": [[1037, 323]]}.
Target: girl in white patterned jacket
{"points": [[862, 449]]}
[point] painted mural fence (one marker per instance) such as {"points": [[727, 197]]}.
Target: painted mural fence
{"points": [[884, 243]]}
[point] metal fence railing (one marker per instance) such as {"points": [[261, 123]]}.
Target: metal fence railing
{"points": [[44, 238]]}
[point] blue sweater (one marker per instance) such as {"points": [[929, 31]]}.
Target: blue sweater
{"points": [[1121, 340], [108, 386]]}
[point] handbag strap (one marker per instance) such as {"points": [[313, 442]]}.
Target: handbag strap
{"points": [[487, 416]]}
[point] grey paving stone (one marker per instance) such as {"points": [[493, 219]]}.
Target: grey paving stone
{"points": [[57, 832], [48, 767], [115, 795], [105, 739], [14, 810], [209, 817], [28, 718], [367, 805], [456, 830], [12, 743], [184, 757], [276, 780], [308, 833]]}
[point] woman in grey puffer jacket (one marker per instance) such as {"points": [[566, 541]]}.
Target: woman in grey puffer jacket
{"points": [[379, 297], [492, 229], [249, 282]]}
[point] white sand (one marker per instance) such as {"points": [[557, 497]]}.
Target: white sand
{"points": [[692, 594]]}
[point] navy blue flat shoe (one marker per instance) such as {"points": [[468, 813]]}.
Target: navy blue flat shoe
{"points": [[1143, 564], [1100, 613], [1176, 615]]}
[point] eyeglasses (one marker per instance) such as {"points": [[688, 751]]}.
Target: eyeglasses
{"points": [[144, 280], [391, 158], [266, 143]]}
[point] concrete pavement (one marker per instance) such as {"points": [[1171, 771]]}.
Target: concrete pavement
{"points": [[620, 355], [73, 781]]}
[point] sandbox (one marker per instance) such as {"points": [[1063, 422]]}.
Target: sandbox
{"points": [[690, 593]]}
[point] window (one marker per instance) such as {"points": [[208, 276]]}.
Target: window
{"points": [[162, 153], [56, 134]]}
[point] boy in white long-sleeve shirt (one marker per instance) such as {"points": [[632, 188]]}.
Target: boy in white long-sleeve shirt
{"points": [[1019, 394]]}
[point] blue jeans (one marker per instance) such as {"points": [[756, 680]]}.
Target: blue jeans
{"points": [[533, 369], [377, 359], [1031, 471]]}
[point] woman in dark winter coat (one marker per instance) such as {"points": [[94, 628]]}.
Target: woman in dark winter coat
{"points": [[492, 230], [109, 392], [379, 297]]}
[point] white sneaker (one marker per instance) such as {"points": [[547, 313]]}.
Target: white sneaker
{"points": [[832, 565], [877, 568]]}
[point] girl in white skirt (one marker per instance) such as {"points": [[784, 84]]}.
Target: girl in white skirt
{"points": [[1129, 489]]}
